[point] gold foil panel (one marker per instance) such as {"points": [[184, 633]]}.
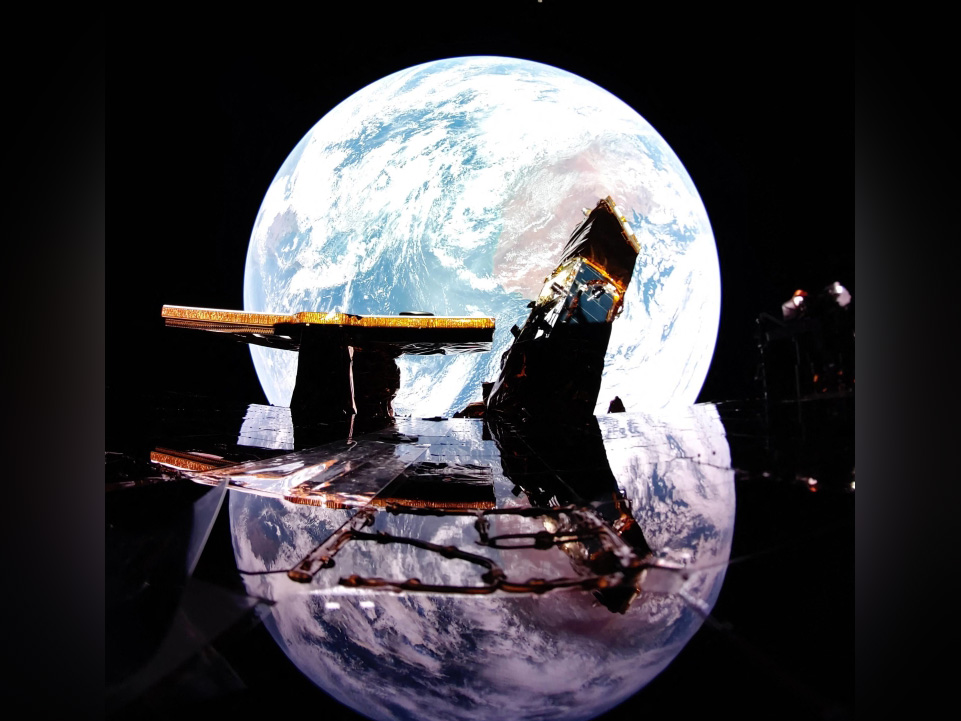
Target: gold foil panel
{"points": [[213, 315], [393, 321], [212, 318], [342, 474]]}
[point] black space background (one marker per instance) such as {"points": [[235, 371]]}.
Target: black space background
{"points": [[204, 109], [760, 119]]}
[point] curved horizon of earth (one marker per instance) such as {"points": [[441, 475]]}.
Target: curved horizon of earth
{"points": [[452, 187]]}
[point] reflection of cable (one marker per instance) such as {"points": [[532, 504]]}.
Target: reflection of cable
{"points": [[763, 660], [823, 706], [684, 572], [797, 541]]}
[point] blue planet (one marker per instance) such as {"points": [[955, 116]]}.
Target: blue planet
{"points": [[451, 187]]}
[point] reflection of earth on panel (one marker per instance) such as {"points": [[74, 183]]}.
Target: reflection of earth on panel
{"points": [[558, 655], [451, 187]]}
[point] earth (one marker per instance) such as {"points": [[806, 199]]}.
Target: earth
{"points": [[451, 187], [559, 655]]}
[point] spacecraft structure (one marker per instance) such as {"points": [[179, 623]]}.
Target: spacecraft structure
{"points": [[555, 365]]}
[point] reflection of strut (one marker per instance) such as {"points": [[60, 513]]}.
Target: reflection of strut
{"points": [[566, 466]]}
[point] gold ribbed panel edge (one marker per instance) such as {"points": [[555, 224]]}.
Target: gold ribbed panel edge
{"points": [[175, 313], [186, 462], [213, 315]]}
